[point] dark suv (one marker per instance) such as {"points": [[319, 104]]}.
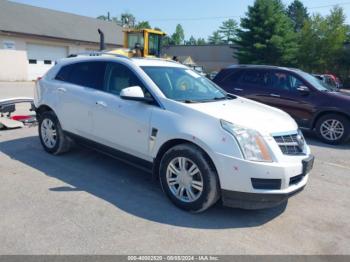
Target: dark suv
{"points": [[304, 97]]}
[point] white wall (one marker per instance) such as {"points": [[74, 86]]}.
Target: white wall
{"points": [[13, 65]]}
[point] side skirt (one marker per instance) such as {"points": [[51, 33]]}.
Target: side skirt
{"points": [[117, 154]]}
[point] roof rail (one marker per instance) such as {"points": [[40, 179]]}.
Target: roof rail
{"points": [[97, 53]]}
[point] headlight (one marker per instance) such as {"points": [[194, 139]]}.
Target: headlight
{"points": [[252, 144]]}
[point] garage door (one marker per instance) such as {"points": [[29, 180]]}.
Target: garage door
{"points": [[42, 57]]}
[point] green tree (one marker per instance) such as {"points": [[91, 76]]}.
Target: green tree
{"points": [[347, 33], [127, 20], [298, 13], [266, 35], [191, 41], [201, 41], [322, 41], [215, 38], [179, 36], [143, 25], [228, 30]]}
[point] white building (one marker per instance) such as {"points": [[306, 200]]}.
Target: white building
{"points": [[32, 38]]}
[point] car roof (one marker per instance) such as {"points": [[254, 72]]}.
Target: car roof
{"points": [[262, 67], [136, 61], [156, 62]]}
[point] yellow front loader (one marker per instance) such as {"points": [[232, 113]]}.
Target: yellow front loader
{"points": [[140, 43]]}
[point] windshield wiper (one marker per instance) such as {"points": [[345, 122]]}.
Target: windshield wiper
{"points": [[226, 97], [188, 101]]}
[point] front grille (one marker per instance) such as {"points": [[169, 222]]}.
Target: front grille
{"points": [[290, 144], [267, 184], [295, 180]]}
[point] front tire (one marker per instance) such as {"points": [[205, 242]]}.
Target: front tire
{"points": [[188, 179], [51, 134], [333, 129]]}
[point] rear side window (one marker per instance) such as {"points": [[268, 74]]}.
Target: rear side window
{"points": [[64, 72], [222, 75], [233, 76], [88, 74], [255, 77]]}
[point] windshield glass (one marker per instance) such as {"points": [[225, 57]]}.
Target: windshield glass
{"points": [[135, 38], [184, 84], [318, 84]]}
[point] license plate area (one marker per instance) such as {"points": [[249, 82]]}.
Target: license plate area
{"points": [[308, 164]]}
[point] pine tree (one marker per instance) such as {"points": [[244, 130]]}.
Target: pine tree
{"points": [[201, 41], [179, 36], [228, 30], [215, 38], [266, 35], [298, 13], [192, 41]]}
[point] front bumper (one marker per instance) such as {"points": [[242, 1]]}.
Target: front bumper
{"points": [[254, 200], [256, 185]]}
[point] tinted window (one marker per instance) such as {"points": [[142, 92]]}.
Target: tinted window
{"points": [[119, 77], [64, 72], [232, 77], [284, 81], [255, 77], [88, 74], [219, 78]]}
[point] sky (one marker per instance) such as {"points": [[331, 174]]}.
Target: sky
{"points": [[198, 17]]}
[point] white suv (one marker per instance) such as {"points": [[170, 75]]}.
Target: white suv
{"points": [[203, 143]]}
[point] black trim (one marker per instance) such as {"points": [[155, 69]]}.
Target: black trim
{"points": [[266, 184], [254, 201], [296, 180], [308, 164], [147, 100], [122, 156]]}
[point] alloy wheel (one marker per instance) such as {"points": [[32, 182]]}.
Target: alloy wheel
{"points": [[48, 133], [184, 179], [332, 129]]}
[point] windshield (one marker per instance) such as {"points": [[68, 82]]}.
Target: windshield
{"points": [[135, 38], [183, 84], [315, 82]]}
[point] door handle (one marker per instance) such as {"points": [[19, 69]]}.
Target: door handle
{"points": [[238, 89], [275, 95], [62, 90], [101, 104]]}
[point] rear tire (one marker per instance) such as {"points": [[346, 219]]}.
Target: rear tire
{"points": [[333, 129], [51, 134], [188, 179]]}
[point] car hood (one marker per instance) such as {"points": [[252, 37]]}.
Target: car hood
{"points": [[246, 113]]}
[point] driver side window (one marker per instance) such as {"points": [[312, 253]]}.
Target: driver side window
{"points": [[119, 77], [283, 81]]}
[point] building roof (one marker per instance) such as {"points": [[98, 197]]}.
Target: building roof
{"points": [[26, 19]]}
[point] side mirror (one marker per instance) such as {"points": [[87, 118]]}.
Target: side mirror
{"points": [[135, 93], [304, 90]]}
